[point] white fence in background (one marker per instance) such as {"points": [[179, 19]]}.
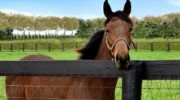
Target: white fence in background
{"points": [[45, 32]]}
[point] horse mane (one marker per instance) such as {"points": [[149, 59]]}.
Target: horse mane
{"points": [[90, 50]]}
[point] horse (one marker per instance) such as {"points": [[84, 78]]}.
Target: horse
{"points": [[112, 43]]}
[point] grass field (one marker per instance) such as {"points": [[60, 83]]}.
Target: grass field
{"points": [[70, 43], [72, 55], [151, 89], [85, 40]]}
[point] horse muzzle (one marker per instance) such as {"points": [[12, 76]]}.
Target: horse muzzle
{"points": [[122, 63]]}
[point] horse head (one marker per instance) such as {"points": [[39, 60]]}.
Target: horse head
{"points": [[118, 27]]}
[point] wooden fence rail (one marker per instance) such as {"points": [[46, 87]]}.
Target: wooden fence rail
{"points": [[131, 79], [152, 46], [37, 46]]}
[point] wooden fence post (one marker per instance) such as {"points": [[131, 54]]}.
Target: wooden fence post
{"points": [[11, 47], [36, 47], [132, 82], [0, 47], [136, 45], [23, 47], [152, 47], [62, 47], [168, 47], [49, 47], [76, 45]]}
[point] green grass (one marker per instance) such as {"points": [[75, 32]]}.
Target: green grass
{"points": [[170, 88], [72, 55], [15, 56], [85, 40], [155, 90], [145, 55], [157, 40], [161, 90], [56, 44], [2, 88]]}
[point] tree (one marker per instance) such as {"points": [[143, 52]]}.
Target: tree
{"points": [[9, 33], [167, 25], [83, 29], [2, 35], [3, 21]]}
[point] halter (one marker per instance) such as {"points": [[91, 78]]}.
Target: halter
{"points": [[111, 48]]}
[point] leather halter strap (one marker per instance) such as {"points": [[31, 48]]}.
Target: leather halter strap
{"points": [[114, 44]]}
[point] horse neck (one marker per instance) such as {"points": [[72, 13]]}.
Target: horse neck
{"points": [[103, 53]]}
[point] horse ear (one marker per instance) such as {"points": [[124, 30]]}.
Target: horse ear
{"points": [[127, 7], [107, 9]]}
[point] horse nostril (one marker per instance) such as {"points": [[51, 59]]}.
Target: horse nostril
{"points": [[122, 63], [118, 57], [120, 60], [127, 57], [107, 30]]}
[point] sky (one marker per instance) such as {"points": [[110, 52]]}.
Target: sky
{"points": [[87, 9]]}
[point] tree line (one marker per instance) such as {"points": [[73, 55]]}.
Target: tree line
{"points": [[17, 21], [166, 26]]}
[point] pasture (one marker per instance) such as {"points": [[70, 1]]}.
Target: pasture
{"points": [[158, 44], [152, 90], [72, 55], [86, 39], [156, 81]]}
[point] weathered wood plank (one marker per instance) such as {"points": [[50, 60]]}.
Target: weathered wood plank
{"points": [[60, 68], [152, 70], [162, 69]]}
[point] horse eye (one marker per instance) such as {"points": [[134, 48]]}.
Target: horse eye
{"points": [[107, 30]]}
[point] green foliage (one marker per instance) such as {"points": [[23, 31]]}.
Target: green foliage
{"points": [[89, 27], [17, 21], [6, 34], [84, 30], [166, 26], [3, 21], [2, 35], [146, 30]]}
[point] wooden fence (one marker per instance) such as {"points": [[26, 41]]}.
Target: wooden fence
{"points": [[151, 46], [131, 79], [38, 46]]}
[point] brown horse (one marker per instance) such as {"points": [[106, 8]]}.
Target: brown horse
{"points": [[111, 43]]}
